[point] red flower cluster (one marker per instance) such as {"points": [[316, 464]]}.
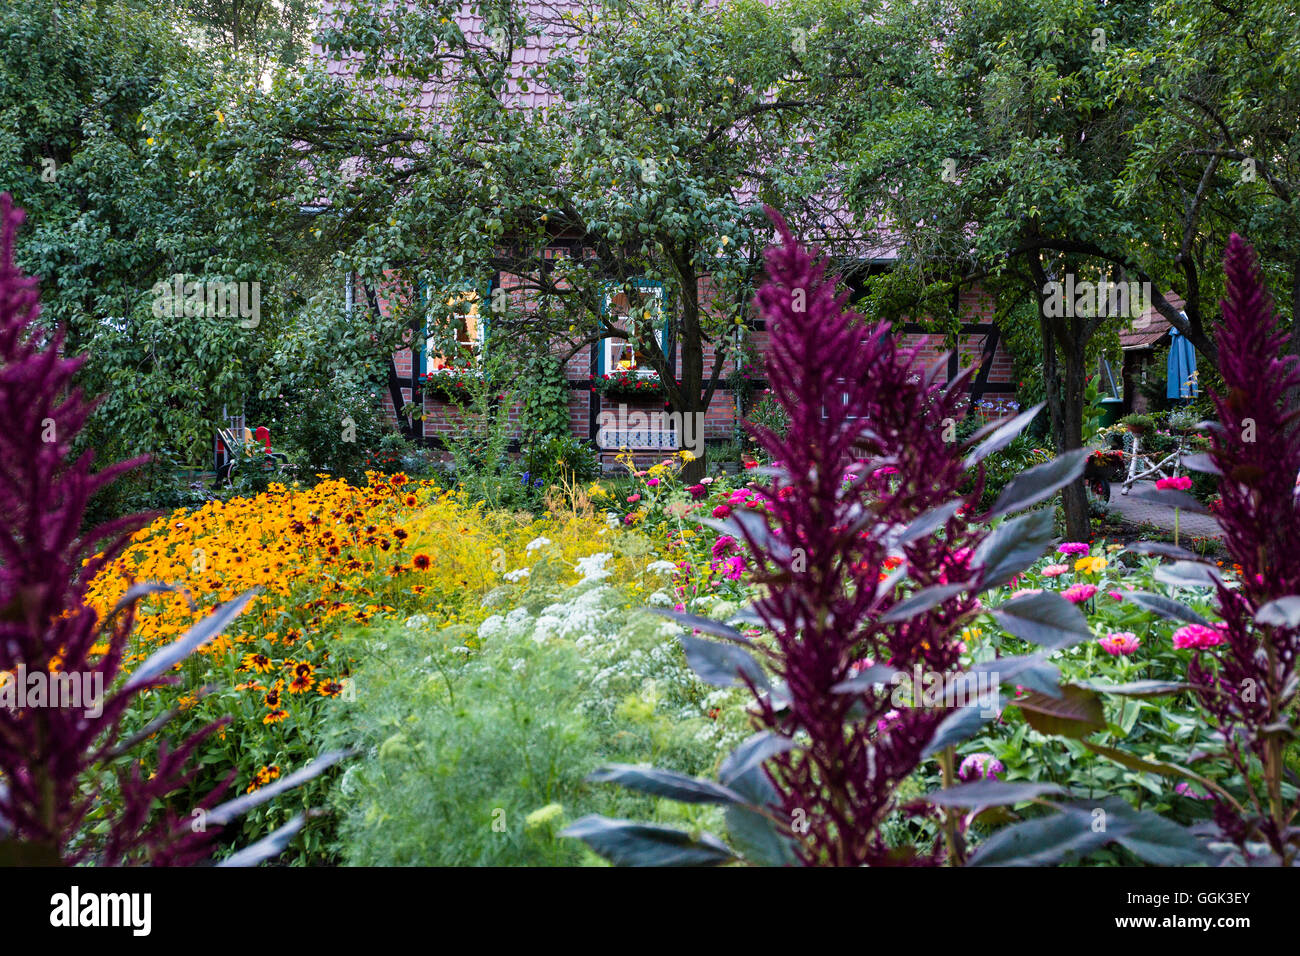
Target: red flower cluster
{"points": [[629, 382]]}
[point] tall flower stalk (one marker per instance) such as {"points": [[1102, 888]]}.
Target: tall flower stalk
{"points": [[1248, 683], [48, 749], [860, 460]]}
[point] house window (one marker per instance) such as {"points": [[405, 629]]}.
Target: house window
{"points": [[455, 332], [843, 402], [640, 310]]}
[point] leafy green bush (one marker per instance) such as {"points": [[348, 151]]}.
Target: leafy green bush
{"points": [[768, 413], [1003, 466], [332, 430], [562, 458]]}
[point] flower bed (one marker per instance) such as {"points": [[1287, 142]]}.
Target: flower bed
{"points": [[329, 562]]}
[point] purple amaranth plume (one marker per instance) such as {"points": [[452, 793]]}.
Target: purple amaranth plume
{"points": [[49, 747], [827, 607], [1250, 687]]}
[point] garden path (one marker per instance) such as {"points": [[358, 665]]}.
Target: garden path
{"points": [[1136, 510]]}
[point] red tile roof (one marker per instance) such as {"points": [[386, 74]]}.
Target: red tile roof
{"points": [[1150, 327]]}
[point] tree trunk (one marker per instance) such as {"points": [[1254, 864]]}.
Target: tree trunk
{"points": [[690, 399], [1073, 498], [1064, 405]]}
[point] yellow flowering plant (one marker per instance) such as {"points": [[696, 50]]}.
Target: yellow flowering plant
{"points": [[327, 561]]}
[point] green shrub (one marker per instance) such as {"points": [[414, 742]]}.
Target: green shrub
{"points": [[562, 458], [334, 430], [768, 413]]}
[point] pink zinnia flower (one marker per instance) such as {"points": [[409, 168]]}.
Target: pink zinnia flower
{"points": [[1181, 483], [1055, 570], [1024, 591], [1073, 547], [1115, 595], [697, 491], [632, 499], [733, 568], [725, 545], [653, 482], [1119, 643], [1078, 593], [721, 511], [980, 766], [1196, 636]]}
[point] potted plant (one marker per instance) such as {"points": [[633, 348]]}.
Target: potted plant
{"points": [[1138, 424]]}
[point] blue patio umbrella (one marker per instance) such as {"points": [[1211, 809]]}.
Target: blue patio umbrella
{"points": [[1181, 381]]}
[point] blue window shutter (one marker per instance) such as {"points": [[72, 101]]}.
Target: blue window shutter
{"points": [[600, 344], [485, 310], [420, 341]]}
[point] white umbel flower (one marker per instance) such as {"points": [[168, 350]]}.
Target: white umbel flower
{"points": [[592, 567]]}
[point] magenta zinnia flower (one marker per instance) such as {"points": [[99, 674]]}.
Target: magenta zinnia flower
{"points": [[733, 568], [1078, 593], [1119, 643], [980, 766], [724, 546], [1073, 547], [1196, 636], [1181, 483]]}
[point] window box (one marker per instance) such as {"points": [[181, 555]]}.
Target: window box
{"points": [[631, 383]]}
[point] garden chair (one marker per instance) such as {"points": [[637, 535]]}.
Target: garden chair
{"points": [[241, 447]]}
